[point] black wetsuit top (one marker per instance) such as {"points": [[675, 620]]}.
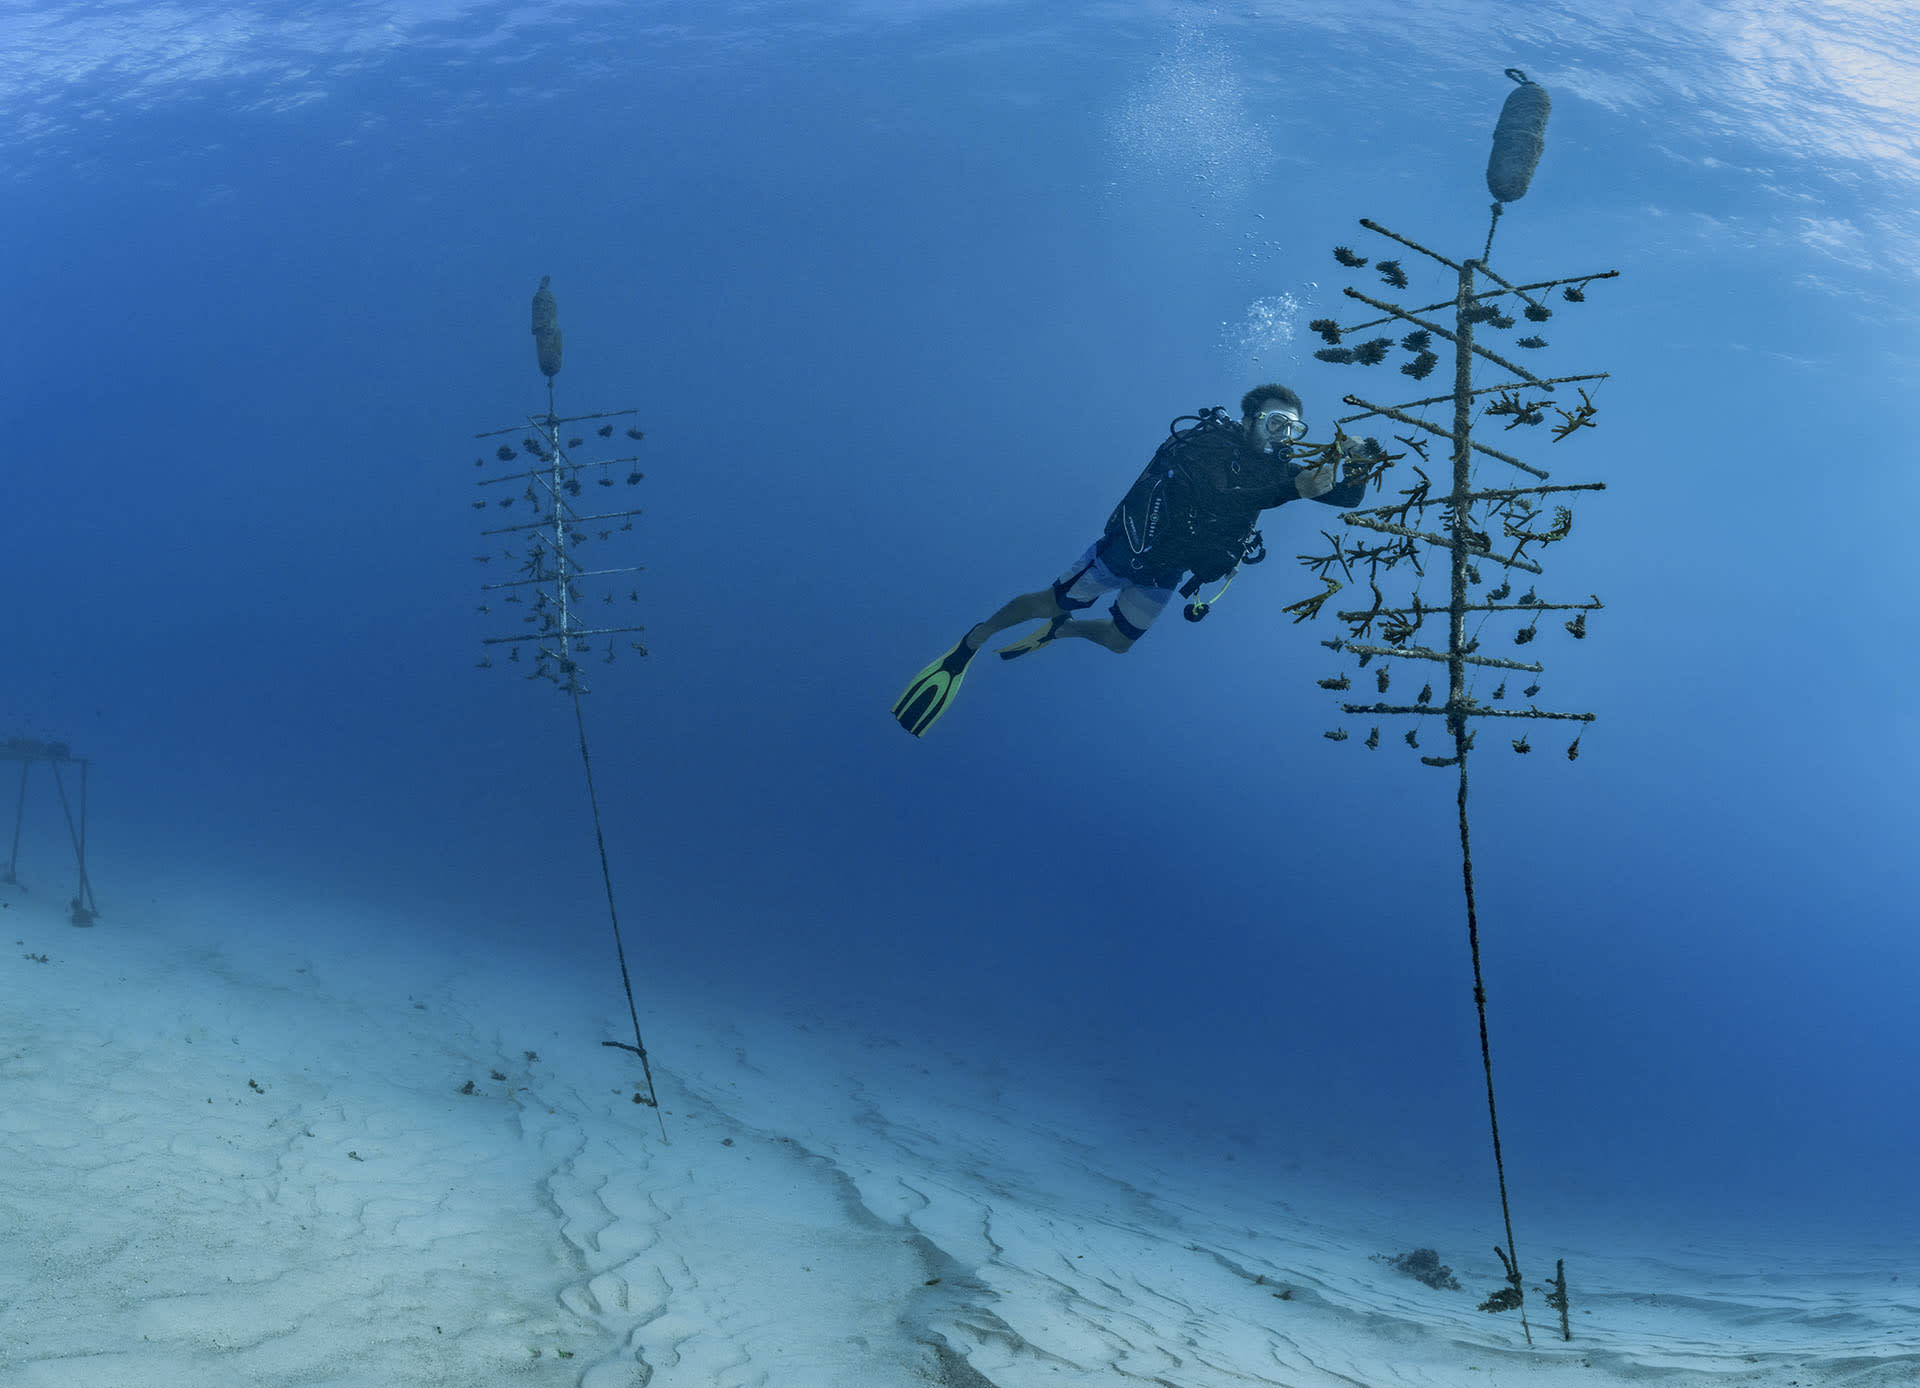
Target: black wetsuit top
{"points": [[1194, 507]]}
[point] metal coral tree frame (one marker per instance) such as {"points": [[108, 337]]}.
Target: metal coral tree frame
{"points": [[1491, 530], [566, 499]]}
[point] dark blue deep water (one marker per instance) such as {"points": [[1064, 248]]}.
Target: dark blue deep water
{"points": [[904, 296]]}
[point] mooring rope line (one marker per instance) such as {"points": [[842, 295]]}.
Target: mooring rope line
{"points": [[639, 1047], [1486, 1045]]}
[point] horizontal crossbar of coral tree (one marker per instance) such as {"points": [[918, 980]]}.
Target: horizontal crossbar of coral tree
{"points": [[1411, 245], [545, 472], [1406, 532], [546, 523], [542, 421], [1482, 266], [1400, 416], [1392, 311], [1471, 711], [547, 580], [1404, 316], [573, 633], [583, 517], [1508, 493], [1525, 291], [1427, 653], [1495, 389], [1440, 610]]}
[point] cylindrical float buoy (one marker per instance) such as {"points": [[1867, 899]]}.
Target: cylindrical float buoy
{"points": [[1518, 139], [546, 329]]}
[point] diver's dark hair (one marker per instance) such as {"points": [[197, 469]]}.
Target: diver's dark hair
{"points": [[1250, 402]]}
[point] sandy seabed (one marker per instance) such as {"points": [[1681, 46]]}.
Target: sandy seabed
{"points": [[240, 1153]]}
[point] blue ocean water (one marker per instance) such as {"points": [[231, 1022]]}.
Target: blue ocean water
{"points": [[904, 296]]}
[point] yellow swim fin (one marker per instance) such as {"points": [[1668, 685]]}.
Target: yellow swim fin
{"points": [[933, 689]]}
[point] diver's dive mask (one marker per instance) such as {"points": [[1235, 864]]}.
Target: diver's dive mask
{"points": [[1279, 426]]}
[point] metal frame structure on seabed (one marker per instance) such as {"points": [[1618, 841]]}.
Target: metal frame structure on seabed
{"points": [[83, 910], [547, 576]]}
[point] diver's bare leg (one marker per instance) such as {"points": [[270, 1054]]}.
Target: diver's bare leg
{"points": [[1099, 630], [1028, 607]]}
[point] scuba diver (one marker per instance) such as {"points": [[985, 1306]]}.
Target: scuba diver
{"points": [[1191, 512]]}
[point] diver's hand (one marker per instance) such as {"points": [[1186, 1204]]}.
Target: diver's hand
{"points": [[1315, 481], [1358, 456]]}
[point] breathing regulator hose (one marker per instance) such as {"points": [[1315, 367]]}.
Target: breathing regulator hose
{"points": [[1254, 552]]}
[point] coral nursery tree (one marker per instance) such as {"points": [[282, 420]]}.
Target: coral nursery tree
{"points": [[1455, 505]]}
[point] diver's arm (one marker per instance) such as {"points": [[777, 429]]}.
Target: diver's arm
{"points": [[1289, 481], [1351, 492]]}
